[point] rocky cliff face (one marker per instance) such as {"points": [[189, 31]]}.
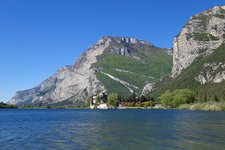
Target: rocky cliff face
{"points": [[211, 73], [148, 88], [198, 57], [77, 82], [203, 33]]}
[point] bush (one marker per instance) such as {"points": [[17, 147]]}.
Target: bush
{"points": [[148, 104], [174, 99], [138, 104], [113, 99], [183, 96], [166, 99]]}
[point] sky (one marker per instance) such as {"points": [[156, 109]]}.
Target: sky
{"points": [[37, 37]]}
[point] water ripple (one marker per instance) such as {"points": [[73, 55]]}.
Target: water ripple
{"points": [[111, 129]]}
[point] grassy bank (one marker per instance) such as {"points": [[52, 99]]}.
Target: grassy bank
{"points": [[209, 106]]}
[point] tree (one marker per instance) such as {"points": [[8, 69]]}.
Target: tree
{"points": [[183, 96], [134, 96], [224, 97], [173, 99], [166, 99], [152, 99], [142, 98], [205, 98], [113, 99], [129, 98], [88, 102], [39, 105], [216, 99]]}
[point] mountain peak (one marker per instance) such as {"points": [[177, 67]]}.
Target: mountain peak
{"points": [[123, 40], [221, 6]]}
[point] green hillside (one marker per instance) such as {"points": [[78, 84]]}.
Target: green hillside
{"points": [[153, 63], [187, 78]]}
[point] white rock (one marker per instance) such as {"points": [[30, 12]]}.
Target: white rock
{"points": [[148, 88], [186, 49]]}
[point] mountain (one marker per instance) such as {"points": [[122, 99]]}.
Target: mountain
{"points": [[198, 57], [113, 64], [202, 34]]}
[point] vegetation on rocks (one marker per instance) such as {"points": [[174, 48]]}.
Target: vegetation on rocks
{"points": [[204, 37], [153, 63], [187, 79]]}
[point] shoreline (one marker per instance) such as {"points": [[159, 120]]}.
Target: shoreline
{"points": [[207, 106]]}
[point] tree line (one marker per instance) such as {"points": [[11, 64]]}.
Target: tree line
{"points": [[4, 105], [172, 99], [115, 100]]}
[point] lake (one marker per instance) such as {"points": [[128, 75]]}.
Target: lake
{"points": [[111, 129]]}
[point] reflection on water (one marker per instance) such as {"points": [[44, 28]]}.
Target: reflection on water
{"points": [[111, 129]]}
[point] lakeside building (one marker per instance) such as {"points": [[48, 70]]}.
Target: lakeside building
{"points": [[99, 101]]}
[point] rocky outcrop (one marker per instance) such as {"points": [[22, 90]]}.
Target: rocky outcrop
{"points": [[148, 88], [78, 81], [203, 33], [212, 73]]}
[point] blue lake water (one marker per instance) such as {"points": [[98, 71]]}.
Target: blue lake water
{"points": [[111, 129]]}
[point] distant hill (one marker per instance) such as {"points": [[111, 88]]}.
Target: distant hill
{"points": [[3, 105]]}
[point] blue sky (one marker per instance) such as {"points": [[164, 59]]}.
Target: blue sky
{"points": [[39, 36]]}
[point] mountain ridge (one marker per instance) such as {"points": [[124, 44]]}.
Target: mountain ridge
{"points": [[124, 65], [79, 81]]}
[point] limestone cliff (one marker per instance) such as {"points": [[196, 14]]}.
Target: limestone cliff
{"points": [[198, 57], [203, 33], [211, 73]]}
